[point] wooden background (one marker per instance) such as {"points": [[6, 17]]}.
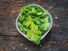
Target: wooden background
{"points": [[10, 38]]}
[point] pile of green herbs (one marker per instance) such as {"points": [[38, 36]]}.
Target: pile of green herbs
{"points": [[34, 22]]}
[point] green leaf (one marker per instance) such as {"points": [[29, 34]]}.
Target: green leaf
{"points": [[34, 27], [33, 10], [23, 29], [19, 24], [42, 20], [37, 21], [47, 25], [39, 13], [28, 21], [41, 26], [45, 14], [46, 19], [39, 9], [25, 23], [21, 18], [34, 37]]}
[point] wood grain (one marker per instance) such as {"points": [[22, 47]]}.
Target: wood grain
{"points": [[12, 40]]}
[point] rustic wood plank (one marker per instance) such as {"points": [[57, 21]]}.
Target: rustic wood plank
{"points": [[9, 43], [10, 38], [8, 13]]}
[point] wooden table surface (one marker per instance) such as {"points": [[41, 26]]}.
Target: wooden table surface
{"points": [[10, 38]]}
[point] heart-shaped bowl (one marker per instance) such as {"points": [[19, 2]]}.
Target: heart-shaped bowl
{"points": [[50, 26]]}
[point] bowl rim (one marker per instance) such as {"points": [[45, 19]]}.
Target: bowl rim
{"points": [[51, 23]]}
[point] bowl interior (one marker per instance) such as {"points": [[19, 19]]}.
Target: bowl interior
{"points": [[51, 22]]}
